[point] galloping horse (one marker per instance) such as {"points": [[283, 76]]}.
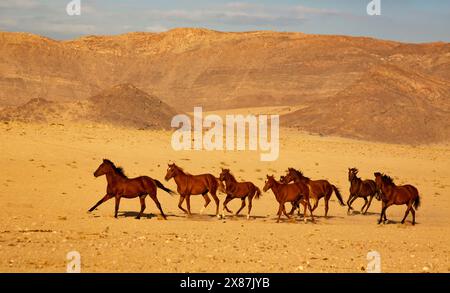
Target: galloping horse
{"points": [[119, 185], [188, 185], [241, 190], [361, 188], [392, 194], [317, 188], [293, 193]]}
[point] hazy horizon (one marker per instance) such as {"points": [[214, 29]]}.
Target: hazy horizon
{"points": [[411, 21]]}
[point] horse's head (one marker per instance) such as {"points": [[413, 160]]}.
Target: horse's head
{"points": [[290, 176], [104, 168], [269, 183], [224, 174], [171, 171], [352, 173], [378, 180]]}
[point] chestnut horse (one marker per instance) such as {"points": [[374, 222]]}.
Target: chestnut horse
{"points": [[119, 185], [188, 185], [361, 188], [392, 194], [241, 190], [317, 188], [293, 193]]}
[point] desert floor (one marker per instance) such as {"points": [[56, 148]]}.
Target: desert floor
{"points": [[47, 186]]}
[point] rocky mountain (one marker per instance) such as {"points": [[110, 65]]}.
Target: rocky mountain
{"points": [[387, 104], [222, 70], [122, 105]]}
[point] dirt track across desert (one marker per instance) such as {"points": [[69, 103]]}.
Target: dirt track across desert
{"points": [[47, 186]]}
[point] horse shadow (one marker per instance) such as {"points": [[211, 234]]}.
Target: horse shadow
{"points": [[133, 214], [355, 213], [399, 223]]}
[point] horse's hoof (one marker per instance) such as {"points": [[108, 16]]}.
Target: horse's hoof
{"points": [[248, 217]]}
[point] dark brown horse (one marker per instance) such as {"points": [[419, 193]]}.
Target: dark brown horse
{"points": [[361, 188], [317, 188], [293, 193], [241, 190], [392, 194], [119, 185], [188, 185]]}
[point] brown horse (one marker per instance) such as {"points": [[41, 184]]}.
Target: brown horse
{"points": [[292, 193], [317, 188], [361, 188], [241, 190], [119, 185], [392, 194], [188, 185]]}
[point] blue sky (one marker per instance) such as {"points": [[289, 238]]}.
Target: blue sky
{"points": [[401, 20]]}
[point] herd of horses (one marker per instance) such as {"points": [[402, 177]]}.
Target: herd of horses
{"points": [[293, 188]]}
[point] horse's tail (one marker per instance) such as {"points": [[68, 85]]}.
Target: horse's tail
{"points": [[161, 186], [220, 186], [258, 192], [338, 195], [417, 202]]}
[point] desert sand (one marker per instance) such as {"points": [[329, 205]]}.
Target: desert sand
{"points": [[47, 186]]}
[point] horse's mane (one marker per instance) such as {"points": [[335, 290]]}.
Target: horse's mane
{"points": [[299, 173], [387, 179], [181, 169], [232, 176], [119, 170]]}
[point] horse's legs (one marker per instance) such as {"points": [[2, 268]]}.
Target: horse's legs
{"points": [[407, 211], [316, 203], [413, 212], [365, 203], [105, 198], [383, 208], [142, 200], [280, 211], [242, 206], [217, 201], [349, 203], [304, 204], [116, 209], [207, 201], [250, 199], [387, 205], [311, 211], [326, 206], [188, 203], [294, 206], [284, 212], [158, 205], [180, 203], [368, 205], [227, 200]]}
